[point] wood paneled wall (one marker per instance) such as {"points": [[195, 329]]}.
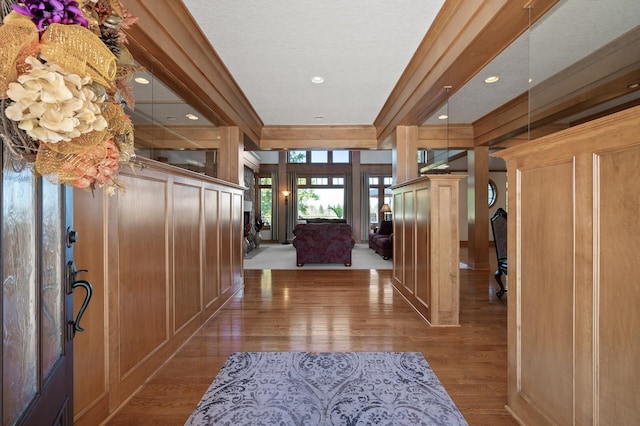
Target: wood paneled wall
{"points": [[162, 258], [426, 248], [574, 263]]}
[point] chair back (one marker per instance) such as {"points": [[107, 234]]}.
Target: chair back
{"points": [[499, 228]]}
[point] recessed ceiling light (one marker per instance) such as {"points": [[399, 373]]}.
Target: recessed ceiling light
{"points": [[192, 117], [634, 86], [319, 117], [317, 79], [491, 79], [170, 118], [141, 80], [443, 117]]}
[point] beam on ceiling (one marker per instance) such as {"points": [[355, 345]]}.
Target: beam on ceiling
{"points": [[168, 42], [465, 36]]}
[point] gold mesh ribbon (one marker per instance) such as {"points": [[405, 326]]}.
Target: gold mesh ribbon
{"points": [[59, 168], [122, 128], [79, 51], [17, 36], [81, 143]]}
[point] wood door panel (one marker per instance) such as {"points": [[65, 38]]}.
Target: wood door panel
{"points": [[546, 224], [186, 240], [618, 351], [143, 292]]}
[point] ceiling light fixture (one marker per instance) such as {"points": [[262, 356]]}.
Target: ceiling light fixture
{"points": [[319, 117], [141, 80], [192, 117], [443, 117], [317, 80], [633, 86], [491, 79]]}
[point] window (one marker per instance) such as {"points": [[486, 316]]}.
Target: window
{"points": [[321, 197], [297, 156], [379, 194], [319, 157], [493, 193], [266, 200], [341, 157], [319, 181]]}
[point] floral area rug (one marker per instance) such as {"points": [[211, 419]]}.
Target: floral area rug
{"points": [[340, 388]]}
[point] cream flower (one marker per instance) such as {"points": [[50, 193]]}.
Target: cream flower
{"points": [[52, 105]]}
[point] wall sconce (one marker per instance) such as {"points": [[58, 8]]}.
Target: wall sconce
{"points": [[386, 212], [286, 216]]}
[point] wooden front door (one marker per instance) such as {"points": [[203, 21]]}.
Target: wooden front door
{"points": [[37, 303]]}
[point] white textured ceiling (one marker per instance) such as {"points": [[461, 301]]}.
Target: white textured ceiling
{"points": [[361, 48], [274, 48]]}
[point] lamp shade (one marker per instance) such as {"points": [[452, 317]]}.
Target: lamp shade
{"points": [[385, 208], [285, 193]]}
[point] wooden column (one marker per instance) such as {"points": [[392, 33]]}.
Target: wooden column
{"points": [[283, 185], [426, 246], [478, 209], [403, 154], [211, 164], [231, 155], [356, 192], [574, 262]]}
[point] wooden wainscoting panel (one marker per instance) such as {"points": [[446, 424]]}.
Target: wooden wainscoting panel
{"points": [[211, 248], [618, 292], [226, 241], [408, 201], [430, 245], [186, 254], [237, 237], [398, 239], [423, 246], [546, 285], [445, 253], [143, 293]]}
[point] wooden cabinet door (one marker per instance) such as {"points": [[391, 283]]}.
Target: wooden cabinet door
{"points": [[37, 305]]}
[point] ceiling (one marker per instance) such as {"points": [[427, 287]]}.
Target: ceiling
{"points": [[361, 48]]}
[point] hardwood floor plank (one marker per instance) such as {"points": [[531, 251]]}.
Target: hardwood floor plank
{"points": [[338, 310]]}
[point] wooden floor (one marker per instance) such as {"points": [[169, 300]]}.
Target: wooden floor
{"points": [[339, 310]]}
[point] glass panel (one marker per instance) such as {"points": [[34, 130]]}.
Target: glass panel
{"points": [[319, 156], [266, 197], [52, 277], [297, 156], [19, 356], [340, 156], [302, 181], [373, 205], [388, 180], [170, 130], [265, 181], [321, 203], [319, 181], [373, 181], [337, 181]]}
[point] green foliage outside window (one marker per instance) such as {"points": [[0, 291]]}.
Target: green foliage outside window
{"points": [[266, 197]]}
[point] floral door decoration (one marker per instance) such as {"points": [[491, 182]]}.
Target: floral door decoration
{"points": [[65, 78]]}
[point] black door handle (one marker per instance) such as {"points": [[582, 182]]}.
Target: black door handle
{"points": [[75, 324], [72, 284]]}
